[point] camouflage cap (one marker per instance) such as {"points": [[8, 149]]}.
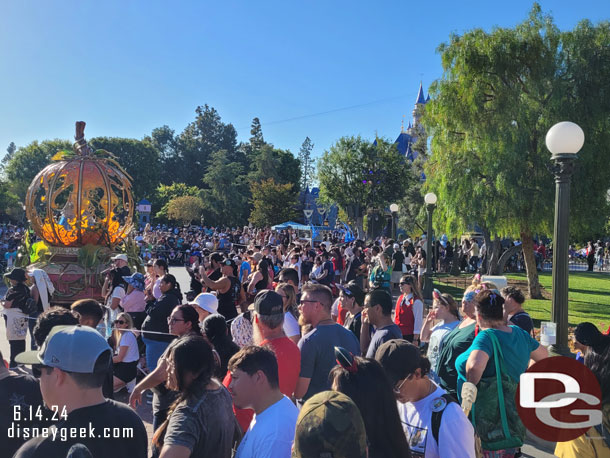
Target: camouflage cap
{"points": [[329, 426]]}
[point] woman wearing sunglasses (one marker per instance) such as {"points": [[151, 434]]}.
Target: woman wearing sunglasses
{"points": [[183, 321], [409, 309], [126, 353]]}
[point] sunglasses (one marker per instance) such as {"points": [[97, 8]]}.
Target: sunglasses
{"points": [[119, 322], [173, 320]]}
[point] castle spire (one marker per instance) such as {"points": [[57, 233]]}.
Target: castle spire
{"points": [[402, 124], [421, 99]]}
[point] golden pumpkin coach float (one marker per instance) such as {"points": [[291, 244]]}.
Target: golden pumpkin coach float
{"points": [[81, 207]]}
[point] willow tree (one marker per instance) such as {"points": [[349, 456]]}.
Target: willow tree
{"points": [[499, 94]]}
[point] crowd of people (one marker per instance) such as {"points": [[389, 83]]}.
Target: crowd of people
{"points": [[277, 349]]}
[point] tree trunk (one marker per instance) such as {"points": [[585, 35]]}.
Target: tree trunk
{"points": [[485, 260], [493, 256], [513, 250], [360, 228], [530, 264]]}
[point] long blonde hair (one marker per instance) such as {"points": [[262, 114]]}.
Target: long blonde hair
{"points": [[116, 332], [292, 299]]}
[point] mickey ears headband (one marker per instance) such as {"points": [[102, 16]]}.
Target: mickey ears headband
{"points": [[346, 360]]}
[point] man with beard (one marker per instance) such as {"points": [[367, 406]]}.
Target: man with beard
{"points": [[317, 346]]}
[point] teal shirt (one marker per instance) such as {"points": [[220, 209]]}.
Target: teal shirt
{"points": [[516, 347]]}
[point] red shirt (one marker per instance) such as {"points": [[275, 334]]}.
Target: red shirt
{"points": [[342, 315], [404, 317], [289, 365], [288, 362]]}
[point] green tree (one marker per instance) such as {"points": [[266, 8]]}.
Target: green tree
{"points": [[361, 176], [256, 131], [307, 164], [10, 152], [165, 193], [10, 207], [202, 137], [489, 113], [27, 161], [226, 195], [272, 203], [278, 164], [164, 141], [139, 158], [185, 209]]}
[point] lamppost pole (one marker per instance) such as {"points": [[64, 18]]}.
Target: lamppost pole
{"points": [[430, 200], [394, 210], [564, 140]]}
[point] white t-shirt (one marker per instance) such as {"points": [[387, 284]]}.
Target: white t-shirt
{"points": [[455, 436], [291, 325], [129, 340], [117, 292], [271, 433]]}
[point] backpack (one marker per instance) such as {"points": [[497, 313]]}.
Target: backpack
{"points": [[437, 417], [494, 414]]}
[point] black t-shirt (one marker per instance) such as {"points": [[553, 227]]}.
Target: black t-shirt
{"points": [[18, 294], [523, 320], [19, 393], [352, 268], [306, 267], [397, 260], [116, 430], [330, 273], [354, 323]]}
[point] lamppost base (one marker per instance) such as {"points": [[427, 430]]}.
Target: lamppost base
{"points": [[560, 350], [428, 287]]}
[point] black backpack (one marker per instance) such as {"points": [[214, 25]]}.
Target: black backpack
{"points": [[438, 416]]}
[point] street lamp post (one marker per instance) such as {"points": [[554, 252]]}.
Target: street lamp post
{"points": [[430, 200], [563, 140], [394, 209]]}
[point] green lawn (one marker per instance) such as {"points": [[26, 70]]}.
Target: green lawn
{"points": [[589, 297]]}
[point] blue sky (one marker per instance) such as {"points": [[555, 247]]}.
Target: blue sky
{"points": [[126, 67]]}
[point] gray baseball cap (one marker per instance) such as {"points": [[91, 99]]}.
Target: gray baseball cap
{"points": [[69, 348]]}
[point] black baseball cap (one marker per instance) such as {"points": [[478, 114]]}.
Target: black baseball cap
{"points": [[268, 302], [398, 358], [352, 289]]}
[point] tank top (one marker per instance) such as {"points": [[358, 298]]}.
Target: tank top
{"points": [[226, 300]]}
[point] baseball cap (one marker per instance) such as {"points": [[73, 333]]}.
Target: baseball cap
{"points": [[268, 302], [352, 289], [399, 359], [206, 301], [17, 274], [329, 424], [120, 257], [69, 348]]}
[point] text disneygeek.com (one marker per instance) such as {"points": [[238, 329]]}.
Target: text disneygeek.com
{"points": [[63, 434]]}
